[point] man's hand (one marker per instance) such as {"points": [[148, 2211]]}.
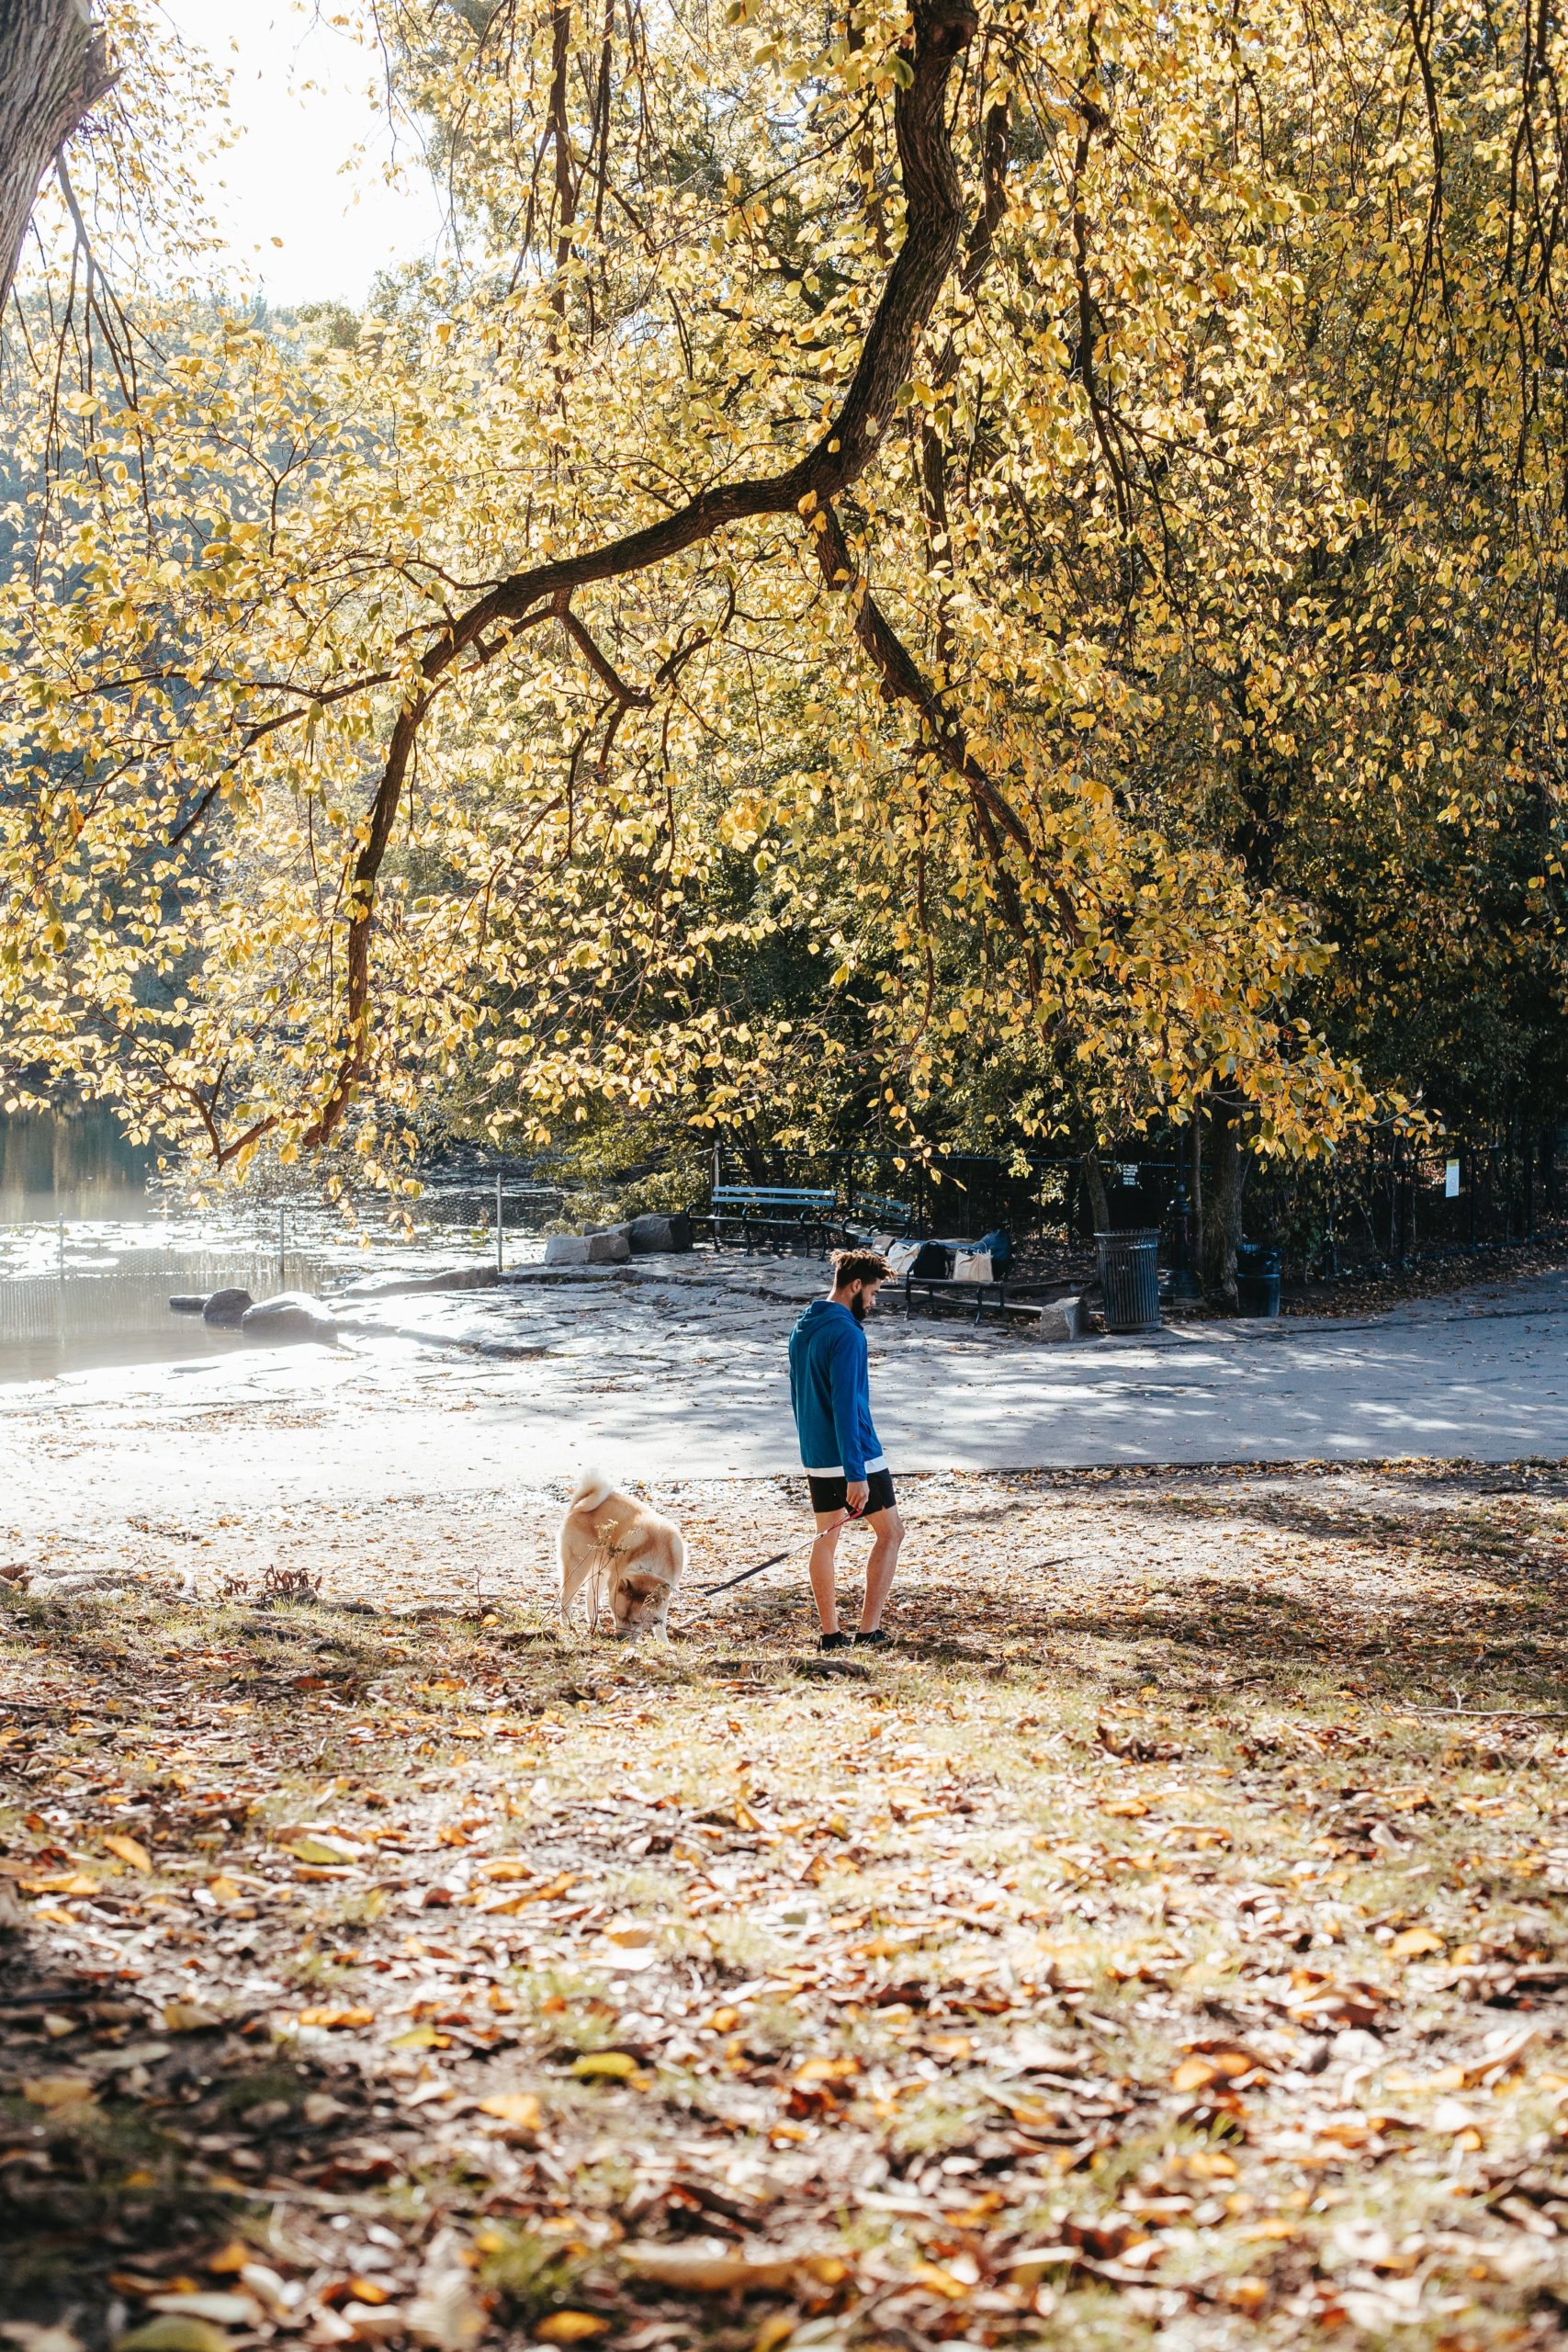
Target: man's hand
{"points": [[857, 1493]]}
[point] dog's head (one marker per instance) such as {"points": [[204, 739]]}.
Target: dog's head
{"points": [[636, 1602]]}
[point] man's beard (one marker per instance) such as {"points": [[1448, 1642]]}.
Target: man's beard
{"points": [[857, 1306]]}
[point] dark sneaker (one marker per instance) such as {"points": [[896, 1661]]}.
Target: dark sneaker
{"points": [[834, 1642], [870, 1640]]}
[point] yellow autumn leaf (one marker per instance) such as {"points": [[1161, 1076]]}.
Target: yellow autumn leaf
{"points": [[1414, 1943], [57, 2091], [519, 2110], [605, 2065], [322, 1849], [1194, 2074], [176, 2332], [128, 1850], [938, 2282]]}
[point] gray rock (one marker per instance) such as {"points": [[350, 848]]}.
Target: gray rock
{"points": [[605, 1249], [648, 1234], [292, 1315], [188, 1303], [225, 1308], [1061, 1320]]}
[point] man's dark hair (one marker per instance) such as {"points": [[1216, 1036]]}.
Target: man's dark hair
{"points": [[858, 1266]]}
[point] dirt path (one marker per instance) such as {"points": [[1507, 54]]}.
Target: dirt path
{"points": [[1131, 1956]]}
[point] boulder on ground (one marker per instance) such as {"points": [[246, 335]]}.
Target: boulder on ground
{"points": [[292, 1315], [604, 1248], [648, 1234], [190, 1303], [1062, 1318], [225, 1307]]}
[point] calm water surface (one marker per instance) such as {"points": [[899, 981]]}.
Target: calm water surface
{"points": [[91, 1251]]}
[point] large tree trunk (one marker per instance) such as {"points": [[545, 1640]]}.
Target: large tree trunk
{"points": [[53, 66], [1224, 1194], [1094, 1184]]}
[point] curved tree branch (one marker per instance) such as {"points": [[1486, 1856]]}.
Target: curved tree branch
{"points": [[943, 30]]}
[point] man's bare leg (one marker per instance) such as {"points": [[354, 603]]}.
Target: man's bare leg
{"points": [[889, 1530], [823, 1572]]}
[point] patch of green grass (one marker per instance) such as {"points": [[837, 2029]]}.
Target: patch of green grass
{"points": [[533, 2271]]}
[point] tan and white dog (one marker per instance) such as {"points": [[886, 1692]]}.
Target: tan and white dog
{"points": [[627, 1556]]}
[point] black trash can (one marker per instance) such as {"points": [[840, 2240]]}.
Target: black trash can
{"points": [[1130, 1279], [1257, 1280]]}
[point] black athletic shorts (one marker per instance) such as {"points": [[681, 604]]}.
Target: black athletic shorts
{"points": [[828, 1493]]}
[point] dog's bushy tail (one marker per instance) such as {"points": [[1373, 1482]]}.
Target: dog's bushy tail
{"points": [[591, 1490]]}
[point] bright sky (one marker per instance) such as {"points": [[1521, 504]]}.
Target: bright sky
{"points": [[304, 98]]}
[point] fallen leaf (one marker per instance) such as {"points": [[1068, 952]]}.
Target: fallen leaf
{"points": [[1414, 1941], [57, 2091], [519, 2110], [613, 2065], [171, 2333], [704, 2266], [223, 2310], [28, 2337], [338, 2020], [127, 1849], [940, 2281], [570, 2327], [188, 2016], [269, 2289], [322, 1849], [372, 2323], [1194, 2074], [825, 2070], [231, 2259]]}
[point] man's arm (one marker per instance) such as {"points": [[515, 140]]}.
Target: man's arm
{"points": [[843, 1381]]}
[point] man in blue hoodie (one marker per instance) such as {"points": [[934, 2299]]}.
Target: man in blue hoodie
{"points": [[845, 1467]]}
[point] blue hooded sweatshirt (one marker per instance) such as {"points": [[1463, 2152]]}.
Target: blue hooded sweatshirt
{"points": [[831, 1394]]}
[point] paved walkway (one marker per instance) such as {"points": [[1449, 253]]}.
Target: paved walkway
{"points": [[677, 1370]]}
